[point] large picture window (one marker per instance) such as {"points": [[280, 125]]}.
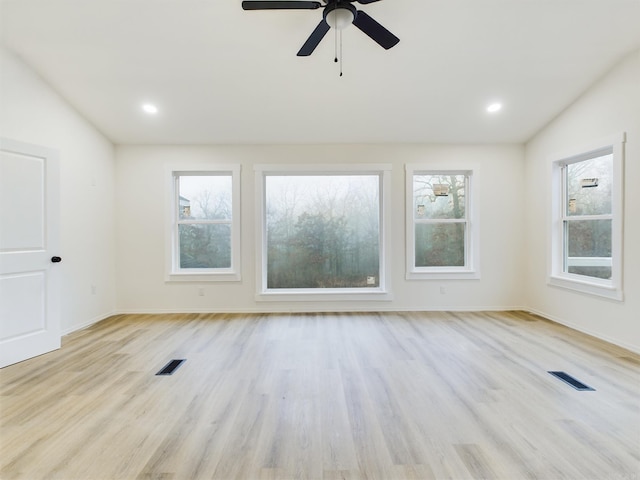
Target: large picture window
{"points": [[587, 211], [440, 231], [322, 231], [205, 225]]}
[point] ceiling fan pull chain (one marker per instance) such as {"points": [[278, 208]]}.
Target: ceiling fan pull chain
{"points": [[335, 45], [341, 53]]}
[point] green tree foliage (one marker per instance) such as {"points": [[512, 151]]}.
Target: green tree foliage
{"points": [[205, 246], [438, 242], [205, 229], [440, 245], [327, 237], [589, 237]]}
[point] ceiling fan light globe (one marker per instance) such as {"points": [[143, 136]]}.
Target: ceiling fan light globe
{"points": [[340, 18]]}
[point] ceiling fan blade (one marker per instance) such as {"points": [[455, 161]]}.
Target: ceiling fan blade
{"points": [[364, 2], [314, 39], [377, 32], [284, 5]]}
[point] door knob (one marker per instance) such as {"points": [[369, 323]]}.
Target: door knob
{"points": [[56, 259]]}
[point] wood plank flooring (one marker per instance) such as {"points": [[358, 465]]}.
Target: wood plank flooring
{"points": [[323, 396]]}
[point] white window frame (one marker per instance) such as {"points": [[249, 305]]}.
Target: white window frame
{"points": [[382, 292], [471, 268], [173, 272], [557, 276]]}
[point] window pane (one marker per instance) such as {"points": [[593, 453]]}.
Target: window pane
{"points": [[205, 245], [440, 244], [323, 231], [205, 197], [438, 196], [589, 248], [589, 186]]}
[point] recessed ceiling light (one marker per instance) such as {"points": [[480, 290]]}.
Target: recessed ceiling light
{"points": [[150, 108], [494, 107]]}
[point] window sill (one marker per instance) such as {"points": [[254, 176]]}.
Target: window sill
{"points": [[578, 284], [229, 276], [323, 295]]}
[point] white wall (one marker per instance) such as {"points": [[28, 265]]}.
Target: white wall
{"points": [[98, 227], [31, 112], [612, 105], [141, 217]]}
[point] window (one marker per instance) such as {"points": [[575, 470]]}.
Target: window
{"points": [[205, 228], [586, 250], [441, 237], [321, 231]]}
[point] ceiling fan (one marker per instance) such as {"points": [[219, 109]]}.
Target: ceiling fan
{"points": [[336, 14]]}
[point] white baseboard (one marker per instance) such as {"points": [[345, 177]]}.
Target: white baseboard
{"points": [[573, 326], [313, 309], [86, 324]]}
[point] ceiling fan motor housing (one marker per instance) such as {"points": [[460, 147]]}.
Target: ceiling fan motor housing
{"points": [[339, 14]]}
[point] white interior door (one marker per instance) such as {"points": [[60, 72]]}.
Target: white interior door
{"points": [[29, 277]]}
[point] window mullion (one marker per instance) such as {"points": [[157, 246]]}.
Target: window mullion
{"points": [[440, 220], [204, 222], [574, 218]]}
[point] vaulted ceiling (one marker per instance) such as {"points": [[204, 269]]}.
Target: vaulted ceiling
{"points": [[219, 74]]}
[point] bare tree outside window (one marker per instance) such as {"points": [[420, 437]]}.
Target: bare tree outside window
{"points": [[586, 253], [439, 204], [588, 217], [323, 231], [204, 221]]}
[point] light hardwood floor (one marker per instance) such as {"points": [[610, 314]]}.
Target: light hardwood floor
{"points": [[332, 396]]}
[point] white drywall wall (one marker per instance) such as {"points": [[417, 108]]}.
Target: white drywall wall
{"points": [[32, 112], [610, 106], [141, 220]]}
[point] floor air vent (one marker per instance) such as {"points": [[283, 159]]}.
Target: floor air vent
{"points": [[578, 385], [171, 367]]}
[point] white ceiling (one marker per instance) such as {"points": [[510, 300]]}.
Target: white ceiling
{"points": [[223, 75]]}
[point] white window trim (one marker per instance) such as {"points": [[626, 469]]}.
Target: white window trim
{"points": [[472, 253], [172, 272], [380, 293], [611, 289]]}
